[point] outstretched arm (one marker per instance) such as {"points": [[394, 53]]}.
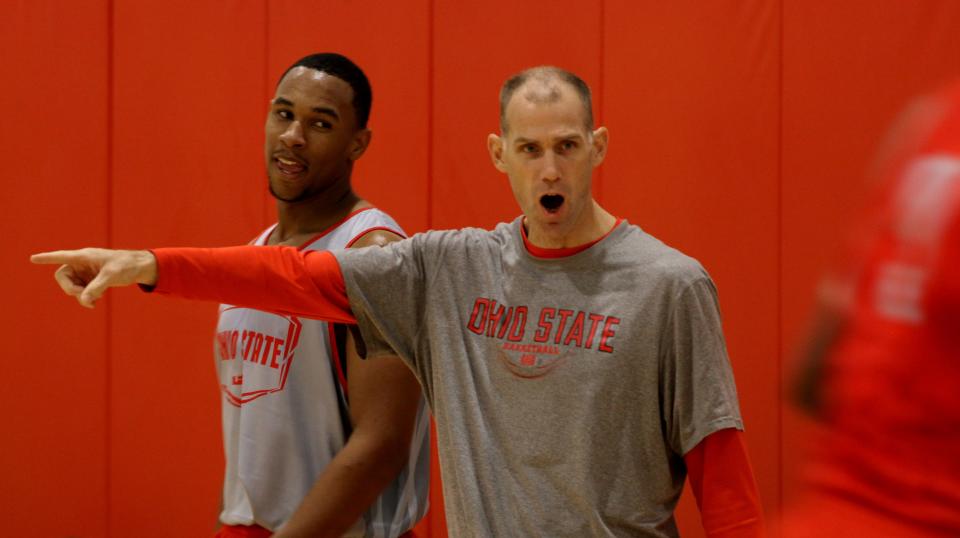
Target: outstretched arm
{"points": [[278, 279]]}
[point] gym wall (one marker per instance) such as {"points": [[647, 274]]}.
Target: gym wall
{"points": [[740, 133]]}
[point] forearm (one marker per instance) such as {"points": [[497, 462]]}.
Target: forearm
{"points": [[347, 487], [722, 481], [277, 279]]}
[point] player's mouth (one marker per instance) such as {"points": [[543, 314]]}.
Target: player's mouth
{"points": [[551, 202], [288, 166]]}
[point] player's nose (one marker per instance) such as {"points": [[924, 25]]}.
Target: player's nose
{"points": [[293, 135]]}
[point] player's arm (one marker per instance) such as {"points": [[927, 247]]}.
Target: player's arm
{"points": [[277, 279], [834, 300], [722, 481], [384, 400]]}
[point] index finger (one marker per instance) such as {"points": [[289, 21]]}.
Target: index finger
{"points": [[57, 257]]}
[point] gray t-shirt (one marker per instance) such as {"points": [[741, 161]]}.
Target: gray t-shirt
{"points": [[565, 390]]}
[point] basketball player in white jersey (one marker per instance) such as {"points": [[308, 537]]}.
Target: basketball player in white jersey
{"points": [[318, 442]]}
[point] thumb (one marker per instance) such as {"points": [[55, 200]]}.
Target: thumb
{"points": [[96, 288]]}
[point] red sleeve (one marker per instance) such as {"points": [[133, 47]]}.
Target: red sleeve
{"points": [[276, 279], [722, 481]]}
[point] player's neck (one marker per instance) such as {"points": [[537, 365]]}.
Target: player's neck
{"points": [[592, 224], [298, 221]]}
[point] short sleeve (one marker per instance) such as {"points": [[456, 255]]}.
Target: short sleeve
{"points": [[385, 287], [697, 389]]}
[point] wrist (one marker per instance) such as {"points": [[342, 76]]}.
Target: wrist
{"points": [[146, 264]]}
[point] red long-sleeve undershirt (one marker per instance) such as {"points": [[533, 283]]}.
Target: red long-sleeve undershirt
{"points": [[722, 481], [311, 284]]}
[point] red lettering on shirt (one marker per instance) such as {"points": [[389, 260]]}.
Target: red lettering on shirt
{"points": [[607, 333], [506, 323], [277, 348], [247, 339], [556, 325], [519, 326], [267, 349], [222, 346], [545, 327], [564, 314], [496, 314], [233, 343], [257, 346], [576, 331], [478, 318], [594, 320]]}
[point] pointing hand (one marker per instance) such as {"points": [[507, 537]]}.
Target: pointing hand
{"points": [[87, 273]]}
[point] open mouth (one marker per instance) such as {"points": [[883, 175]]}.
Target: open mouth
{"points": [[288, 166], [551, 202]]}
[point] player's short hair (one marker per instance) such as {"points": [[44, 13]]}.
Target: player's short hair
{"points": [[341, 67], [547, 75]]}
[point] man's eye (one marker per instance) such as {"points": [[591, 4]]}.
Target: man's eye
{"points": [[322, 125], [529, 148], [568, 145], [284, 114]]}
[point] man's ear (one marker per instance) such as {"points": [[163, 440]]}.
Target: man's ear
{"points": [[495, 147], [600, 140], [359, 144]]}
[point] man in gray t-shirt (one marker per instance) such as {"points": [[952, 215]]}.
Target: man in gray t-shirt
{"points": [[575, 365], [565, 389]]}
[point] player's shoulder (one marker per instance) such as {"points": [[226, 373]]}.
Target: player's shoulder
{"points": [[377, 237], [654, 256], [460, 238], [371, 219]]}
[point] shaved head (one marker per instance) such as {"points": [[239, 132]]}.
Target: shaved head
{"points": [[542, 85]]}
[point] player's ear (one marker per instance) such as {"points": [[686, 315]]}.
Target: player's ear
{"points": [[361, 139], [495, 147], [599, 143]]}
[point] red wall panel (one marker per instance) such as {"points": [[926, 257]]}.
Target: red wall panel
{"points": [[53, 142], [848, 70], [188, 170], [691, 101], [740, 133], [476, 48]]}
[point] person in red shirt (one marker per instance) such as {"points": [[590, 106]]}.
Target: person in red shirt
{"points": [[883, 369]]}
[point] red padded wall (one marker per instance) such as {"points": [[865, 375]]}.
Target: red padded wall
{"points": [[189, 105], [740, 133], [476, 47], [53, 165]]}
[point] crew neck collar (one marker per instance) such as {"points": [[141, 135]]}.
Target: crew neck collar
{"points": [[563, 252]]}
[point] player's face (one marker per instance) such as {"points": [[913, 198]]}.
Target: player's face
{"points": [[549, 155], [311, 135]]}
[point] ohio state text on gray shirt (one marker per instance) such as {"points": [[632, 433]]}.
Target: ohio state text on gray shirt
{"points": [[565, 390]]}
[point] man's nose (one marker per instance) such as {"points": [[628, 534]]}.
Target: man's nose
{"points": [[550, 171], [293, 136]]}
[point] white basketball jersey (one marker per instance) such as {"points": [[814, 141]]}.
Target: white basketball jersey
{"points": [[285, 409]]}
